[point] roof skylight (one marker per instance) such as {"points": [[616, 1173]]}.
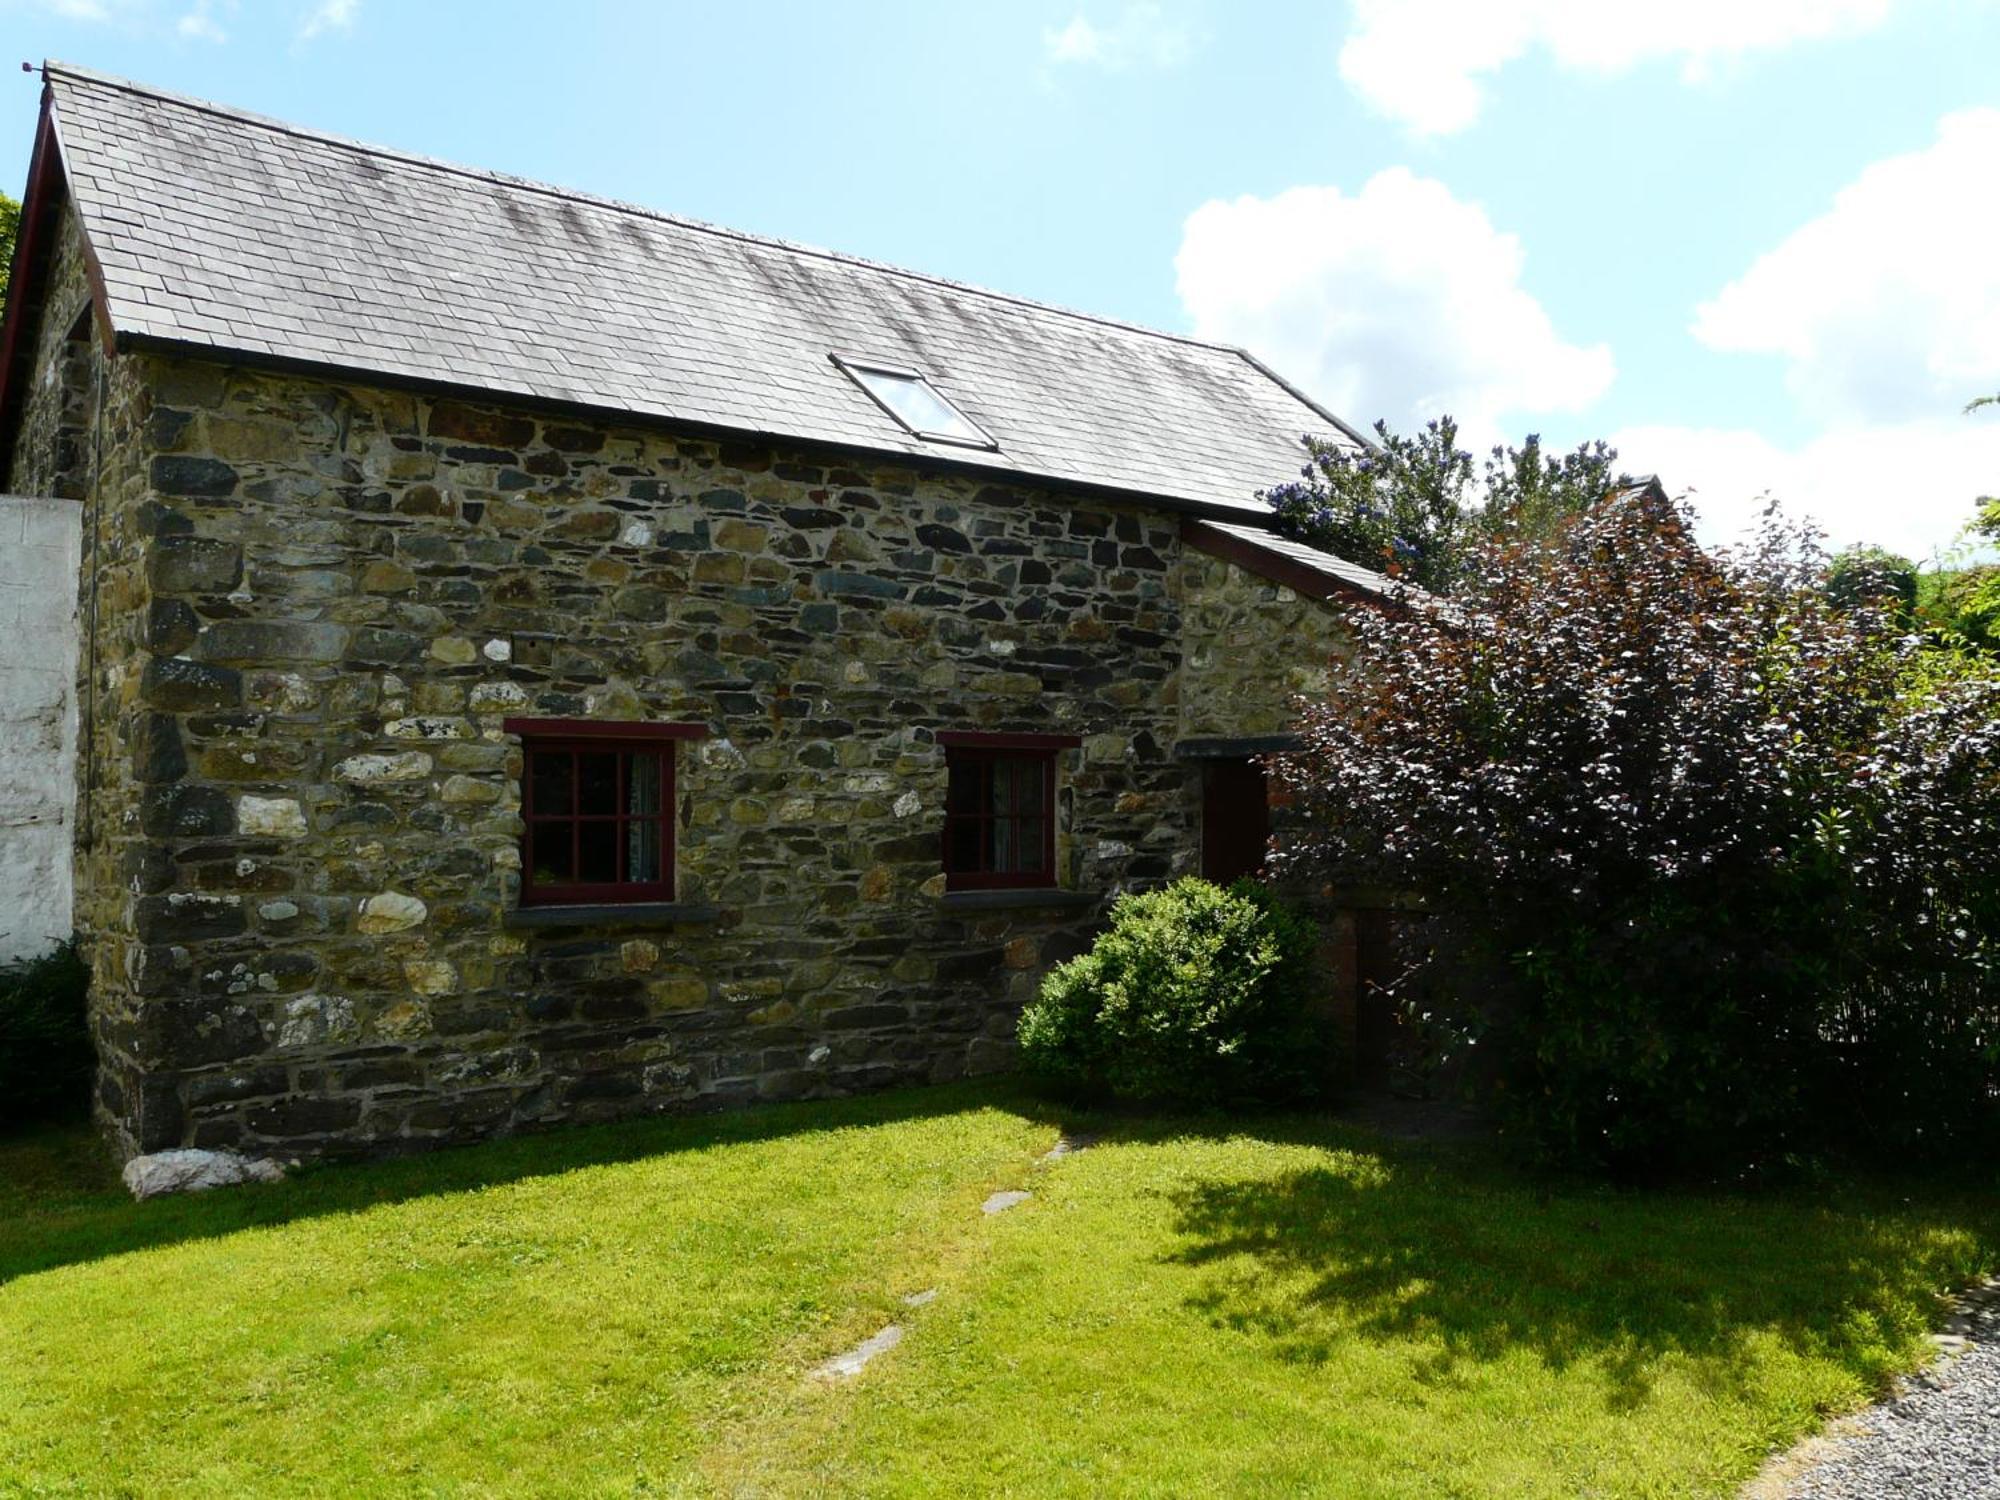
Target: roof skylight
{"points": [[915, 402]]}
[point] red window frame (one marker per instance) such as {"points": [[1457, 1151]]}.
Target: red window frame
{"points": [[573, 737], [976, 754]]}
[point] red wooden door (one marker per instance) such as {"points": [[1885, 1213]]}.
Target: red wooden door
{"points": [[1235, 819]]}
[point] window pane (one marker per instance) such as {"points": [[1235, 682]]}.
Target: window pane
{"points": [[1005, 846], [642, 851], [1030, 777], [597, 853], [963, 795], [642, 791], [961, 847], [917, 406], [599, 818], [549, 781], [597, 782], [549, 859], [1030, 837], [1001, 800]]}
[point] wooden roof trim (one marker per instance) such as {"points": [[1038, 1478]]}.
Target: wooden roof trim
{"points": [[1300, 578], [40, 205]]}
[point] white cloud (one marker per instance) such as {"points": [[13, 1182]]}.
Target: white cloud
{"points": [[93, 11], [1421, 61], [200, 25], [1886, 312], [1400, 301], [134, 17], [1887, 306], [328, 15], [1142, 35], [1908, 486]]}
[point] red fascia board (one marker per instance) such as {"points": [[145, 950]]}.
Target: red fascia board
{"points": [[34, 209], [978, 739], [605, 729], [1278, 568]]}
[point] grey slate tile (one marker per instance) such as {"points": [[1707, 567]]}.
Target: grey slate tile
{"points": [[224, 228]]}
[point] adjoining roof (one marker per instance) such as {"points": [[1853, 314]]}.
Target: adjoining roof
{"points": [[215, 230], [1303, 569], [1320, 575], [1637, 486]]}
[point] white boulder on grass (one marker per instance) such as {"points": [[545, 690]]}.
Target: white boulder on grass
{"points": [[190, 1171]]}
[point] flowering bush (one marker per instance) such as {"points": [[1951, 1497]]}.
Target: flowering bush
{"points": [[1733, 844], [1408, 507]]}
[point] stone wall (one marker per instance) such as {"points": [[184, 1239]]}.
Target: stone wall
{"points": [[38, 637], [347, 590], [79, 438], [40, 575], [1253, 647], [310, 608], [51, 452], [119, 742]]}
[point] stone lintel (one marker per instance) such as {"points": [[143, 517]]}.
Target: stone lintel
{"points": [[1238, 747]]}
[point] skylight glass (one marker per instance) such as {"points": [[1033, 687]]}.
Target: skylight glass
{"points": [[913, 401]]}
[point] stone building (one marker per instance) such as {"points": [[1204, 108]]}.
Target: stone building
{"points": [[540, 659]]}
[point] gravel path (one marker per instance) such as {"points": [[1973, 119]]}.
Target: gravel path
{"points": [[1938, 1438]]}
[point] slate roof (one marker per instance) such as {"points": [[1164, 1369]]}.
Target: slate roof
{"points": [[229, 232]]}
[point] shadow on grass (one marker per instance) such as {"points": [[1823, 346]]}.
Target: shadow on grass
{"points": [[61, 1202], [1474, 1264]]}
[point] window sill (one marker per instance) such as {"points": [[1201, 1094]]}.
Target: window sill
{"points": [[638, 914], [1047, 898]]}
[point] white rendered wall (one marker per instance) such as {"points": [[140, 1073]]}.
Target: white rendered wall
{"points": [[39, 542]]}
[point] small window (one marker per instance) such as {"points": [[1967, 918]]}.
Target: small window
{"points": [[1000, 810], [915, 402], [598, 803]]}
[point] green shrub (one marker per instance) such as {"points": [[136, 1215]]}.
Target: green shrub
{"points": [[1193, 995], [45, 1053], [1727, 846]]}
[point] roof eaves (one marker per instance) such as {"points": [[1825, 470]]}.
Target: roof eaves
{"points": [[248, 321], [1230, 541], [48, 184], [93, 267], [921, 459], [1641, 484]]}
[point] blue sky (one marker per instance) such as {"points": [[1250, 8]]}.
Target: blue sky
{"points": [[1756, 242]]}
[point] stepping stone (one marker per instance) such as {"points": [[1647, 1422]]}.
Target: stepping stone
{"points": [[847, 1366], [999, 1203], [1069, 1145], [920, 1299]]}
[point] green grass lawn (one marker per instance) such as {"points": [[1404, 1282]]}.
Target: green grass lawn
{"points": [[1253, 1307]]}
